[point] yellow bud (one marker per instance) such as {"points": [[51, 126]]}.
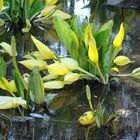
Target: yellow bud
{"points": [[1, 5], [122, 60], [93, 52], [87, 118], [119, 38]]}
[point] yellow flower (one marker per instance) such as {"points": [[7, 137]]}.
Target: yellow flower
{"points": [[119, 38], [51, 2], [93, 52], [1, 5], [57, 69], [122, 60], [87, 118]]}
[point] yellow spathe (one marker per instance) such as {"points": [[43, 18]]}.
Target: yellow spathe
{"points": [[1, 5], [119, 37], [87, 118], [93, 53]]}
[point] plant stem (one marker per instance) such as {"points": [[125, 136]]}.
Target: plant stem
{"points": [[86, 72], [101, 75]]}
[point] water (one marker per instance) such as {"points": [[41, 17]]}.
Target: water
{"points": [[60, 120]]}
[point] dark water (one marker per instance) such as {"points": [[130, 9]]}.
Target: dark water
{"points": [[60, 120]]}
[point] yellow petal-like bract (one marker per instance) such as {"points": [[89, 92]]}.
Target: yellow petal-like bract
{"points": [[70, 63], [4, 84], [1, 5], [57, 69], [122, 60], [54, 85], [43, 49], [87, 118], [119, 38], [7, 102], [93, 53], [51, 2], [30, 64]]}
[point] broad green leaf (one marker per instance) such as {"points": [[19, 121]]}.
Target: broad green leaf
{"points": [[122, 60], [103, 38], [57, 69], [75, 25], [7, 102], [54, 85], [63, 31], [70, 63], [107, 26], [61, 14], [30, 64], [7, 48], [43, 49], [36, 88], [106, 58], [35, 9]]}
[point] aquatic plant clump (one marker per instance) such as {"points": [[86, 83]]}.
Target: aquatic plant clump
{"points": [[23, 14]]}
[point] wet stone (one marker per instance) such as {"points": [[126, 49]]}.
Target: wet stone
{"points": [[22, 128]]}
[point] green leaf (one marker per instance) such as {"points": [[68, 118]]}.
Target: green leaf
{"points": [[18, 84], [75, 25], [63, 31], [3, 67], [36, 7], [35, 87]]}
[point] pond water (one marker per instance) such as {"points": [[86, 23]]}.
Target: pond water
{"points": [[60, 120]]}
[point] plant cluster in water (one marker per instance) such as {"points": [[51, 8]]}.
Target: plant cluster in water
{"points": [[93, 54]]}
